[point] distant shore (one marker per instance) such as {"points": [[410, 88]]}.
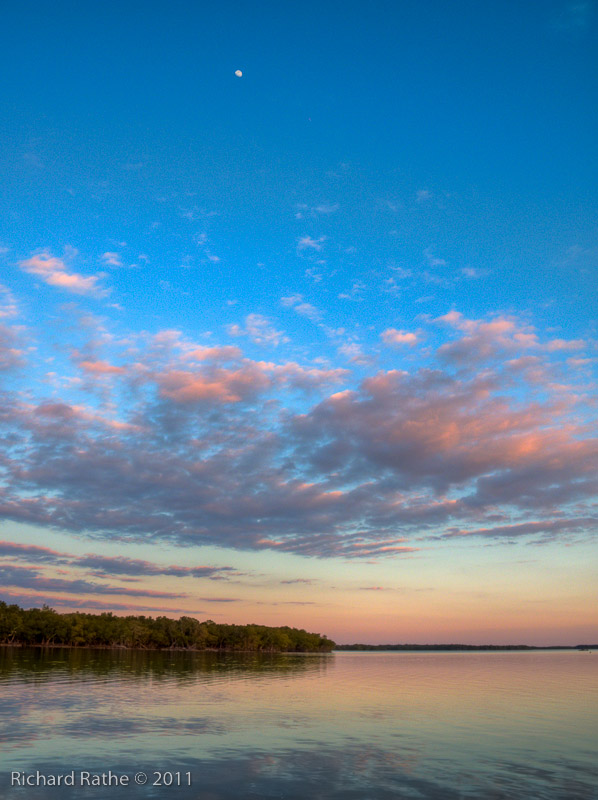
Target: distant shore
{"points": [[460, 647]]}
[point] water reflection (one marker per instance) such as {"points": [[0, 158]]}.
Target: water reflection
{"points": [[426, 725], [48, 663]]}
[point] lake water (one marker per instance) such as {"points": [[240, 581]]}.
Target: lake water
{"points": [[372, 726]]}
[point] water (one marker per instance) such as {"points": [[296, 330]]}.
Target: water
{"points": [[372, 726]]}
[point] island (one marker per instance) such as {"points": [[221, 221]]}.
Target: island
{"points": [[45, 627]]}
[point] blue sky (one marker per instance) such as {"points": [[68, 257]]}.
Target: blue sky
{"points": [[343, 304]]}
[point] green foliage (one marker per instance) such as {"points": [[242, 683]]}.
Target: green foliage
{"points": [[46, 627]]}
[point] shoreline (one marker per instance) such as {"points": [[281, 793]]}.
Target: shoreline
{"points": [[341, 648], [127, 648]]}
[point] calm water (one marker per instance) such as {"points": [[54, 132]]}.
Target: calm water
{"points": [[345, 725]]}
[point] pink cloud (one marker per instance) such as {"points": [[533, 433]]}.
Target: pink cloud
{"points": [[303, 377], [101, 368], [251, 378], [31, 551], [55, 272], [401, 454], [483, 340], [392, 336], [10, 354], [225, 353], [219, 385], [556, 345], [495, 338], [57, 411]]}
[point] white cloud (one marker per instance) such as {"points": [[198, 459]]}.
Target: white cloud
{"points": [[8, 304], [354, 353], [259, 329], [289, 302], [111, 259], [327, 208], [295, 302], [472, 272], [315, 276], [309, 311], [303, 210], [433, 260], [307, 243]]}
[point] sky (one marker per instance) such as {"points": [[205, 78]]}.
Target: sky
{"points": [[314, 344]]}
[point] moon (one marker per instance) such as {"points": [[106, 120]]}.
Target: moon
{"points": [[238, 73]]}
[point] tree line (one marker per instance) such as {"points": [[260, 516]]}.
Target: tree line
{"points": [[45, 626]]}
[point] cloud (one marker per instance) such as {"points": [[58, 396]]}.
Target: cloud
{"points": [[32, 552], [483, 339], [109, 566], [218, 385], [26, 600], [120, 565], [225, 353], [101, 368], [30, 578], [309, 311], [555, 345], [313, 274], [354, 353], [300, 307], [8, 304], [112, 259], [260, 330], [306, 378], [392, 336], [372, 589], [289, 302], [432, 260], [546, 527], [495, 339], [54, 272], [10, 355], [212, 448], [307, 243], [245, 383], [473, 272], [326, 208], [303, 210]]}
